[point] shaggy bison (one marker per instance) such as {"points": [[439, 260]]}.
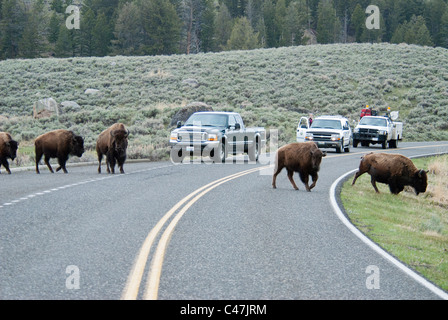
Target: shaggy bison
{"points": [[113, 143], [8, 150], [58, 144], [304, 158], [393, 169]]}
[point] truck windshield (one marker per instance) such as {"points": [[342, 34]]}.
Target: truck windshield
{"points": [[378, 122], [326, 124], [207, 120]]}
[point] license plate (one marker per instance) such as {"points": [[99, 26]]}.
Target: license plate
{"points": [[190, 149]]}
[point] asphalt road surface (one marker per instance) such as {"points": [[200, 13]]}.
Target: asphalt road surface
{"points": [[191, 231]]}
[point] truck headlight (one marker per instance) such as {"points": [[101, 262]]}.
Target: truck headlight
{"points": [[356, 130], [212, 137], [309, 136], [382, 132], [335, 137], [174, 136]]}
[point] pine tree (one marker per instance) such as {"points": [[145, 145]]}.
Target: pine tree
{"points": [[327, 25], [223, 27], [128, 30], [243, 36], [443, 33], [65, 46], [11, 28], [101, 36], [280, 23], [358, 22], [53, 28], [161, 27], [296, 22]]}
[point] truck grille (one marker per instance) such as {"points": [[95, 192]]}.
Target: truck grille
{"points": [[321, 136], [192, 137], [368, 133]]}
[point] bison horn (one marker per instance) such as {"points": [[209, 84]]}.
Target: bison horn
{"points": [[421, 172], [112, 133], [127, 133]]}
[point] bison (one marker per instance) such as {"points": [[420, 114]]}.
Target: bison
{"points": [[113, 143], [8, 149], [58, 144], [393, 169], [304, 158]]}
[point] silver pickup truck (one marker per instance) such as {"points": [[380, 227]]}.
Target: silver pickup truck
{"points": [[215, 135]]}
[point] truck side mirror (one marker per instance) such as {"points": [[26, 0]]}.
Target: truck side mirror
{"points": [[179, 124], [237, 126]]}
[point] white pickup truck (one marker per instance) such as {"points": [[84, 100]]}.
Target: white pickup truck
{"points": [[378, 130], [326, 132]]}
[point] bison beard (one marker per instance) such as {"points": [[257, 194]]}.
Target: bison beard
{"points": [[58, 144], [395, 170], [304, 158]]}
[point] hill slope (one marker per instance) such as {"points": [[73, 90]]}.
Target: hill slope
{"points": [[269, 87]]}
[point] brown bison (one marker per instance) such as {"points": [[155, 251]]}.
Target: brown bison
{"points": [[8, 149], [113, 143], [393, 169], [58, 144], [304, 158]]}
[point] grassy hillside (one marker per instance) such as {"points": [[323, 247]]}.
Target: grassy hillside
{"points": [[269, 87]]}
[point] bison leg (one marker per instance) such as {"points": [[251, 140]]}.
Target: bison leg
{"points": [[305, 179], [62, 161], [5, 163], [38, 157], [373, 181], [100, 158], [47, 162], [290, 176], [120, 165], [278, 169], [112, 164], [315, 176]]}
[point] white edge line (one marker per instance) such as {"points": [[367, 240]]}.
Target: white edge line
{"points": [[442, 294]]}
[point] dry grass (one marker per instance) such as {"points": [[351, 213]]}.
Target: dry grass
{"points": [[438, 180]]}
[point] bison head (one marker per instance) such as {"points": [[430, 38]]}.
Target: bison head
{"points": [[12, 147], [316, 158], [77, 146], [120, 141], [420, 181]]}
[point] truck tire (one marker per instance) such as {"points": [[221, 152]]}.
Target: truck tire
{"points": [[384, 144], [393, 144], [254, 150], [220, 153], [355, 143], [177, 155], [340, 147]]}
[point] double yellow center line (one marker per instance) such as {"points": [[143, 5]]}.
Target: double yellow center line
{"points": [[151, 288]]}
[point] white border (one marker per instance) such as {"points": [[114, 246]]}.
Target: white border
{"points": [[442, 294]]}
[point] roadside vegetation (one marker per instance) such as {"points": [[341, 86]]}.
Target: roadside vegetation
{"points": [[412, 228], [269, 87]]}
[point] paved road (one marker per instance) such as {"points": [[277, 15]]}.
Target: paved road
{"points": [[81, 235]]}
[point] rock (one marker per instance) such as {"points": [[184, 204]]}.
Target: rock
{"points": [[92, 91], [45, 108], [183, 114]]}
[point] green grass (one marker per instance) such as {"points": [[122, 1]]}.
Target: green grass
{"points": [[412, 228]]}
